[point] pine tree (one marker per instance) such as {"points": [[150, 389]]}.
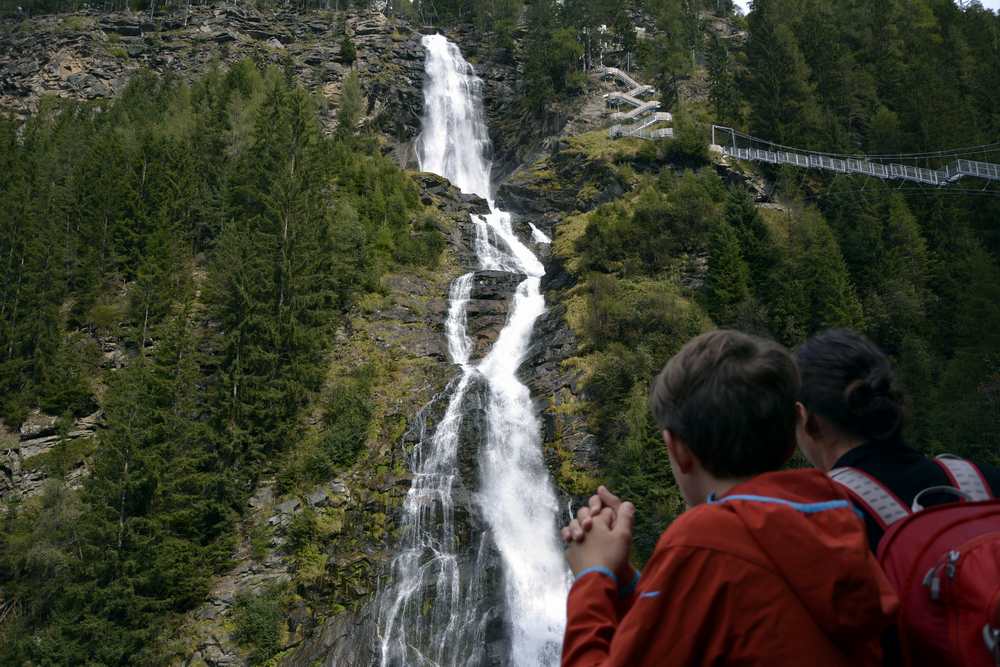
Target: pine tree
{"points": [[539, 88], [723, 94], [822, 275], [727, 283], [348, 52], [967, 403], [756, 244], [351, 107], [665, 58], [624, 30]]}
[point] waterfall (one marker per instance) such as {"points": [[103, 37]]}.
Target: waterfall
{"points": [[436, 611]]}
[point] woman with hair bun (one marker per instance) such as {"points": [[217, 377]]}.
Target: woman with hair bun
{"points": [[851, 416]]}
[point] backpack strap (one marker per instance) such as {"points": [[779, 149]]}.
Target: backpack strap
{"points": [[965, 476], [882, 504]]}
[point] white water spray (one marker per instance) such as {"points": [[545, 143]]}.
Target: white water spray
{"points": [[516, 497]]}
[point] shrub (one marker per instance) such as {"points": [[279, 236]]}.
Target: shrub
{"points": [[258, 620]]}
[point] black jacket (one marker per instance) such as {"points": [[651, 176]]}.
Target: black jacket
{"points": [[906, 472]]}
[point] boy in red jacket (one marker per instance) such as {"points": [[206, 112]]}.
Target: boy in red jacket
{"points": [[766, 567]]}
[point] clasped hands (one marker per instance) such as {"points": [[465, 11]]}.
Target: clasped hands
{"points": [[601, 535]]}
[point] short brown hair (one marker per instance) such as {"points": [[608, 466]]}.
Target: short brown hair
{"points": [[731, 398]]}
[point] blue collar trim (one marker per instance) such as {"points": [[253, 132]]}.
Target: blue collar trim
{"points": [[805, 508]]}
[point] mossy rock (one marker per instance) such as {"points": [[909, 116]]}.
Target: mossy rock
{"points": [[597, 145], [63, 457]]}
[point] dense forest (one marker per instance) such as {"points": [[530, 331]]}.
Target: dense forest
{"points": [[220, 235], [216, 232]]}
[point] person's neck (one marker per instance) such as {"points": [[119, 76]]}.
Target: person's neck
{"points": [[837, 449], [716, 488]]}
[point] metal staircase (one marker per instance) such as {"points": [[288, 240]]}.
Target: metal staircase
{"points": [[640, 110], [643, 113], [636, 88], [617, 131], [624, 97]]}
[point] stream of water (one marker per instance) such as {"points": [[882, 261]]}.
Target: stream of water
{"points": [[436, 611]]}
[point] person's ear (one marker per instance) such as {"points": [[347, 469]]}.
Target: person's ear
{"points": [[679, 452], [809, 422], [801, 415], [808, 430]]}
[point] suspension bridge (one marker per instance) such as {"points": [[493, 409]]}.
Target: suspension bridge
{"points": [[644, 114], [745, 147]]}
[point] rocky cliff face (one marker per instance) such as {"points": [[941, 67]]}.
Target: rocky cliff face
{"points": [[44, 446], [91, 56]]}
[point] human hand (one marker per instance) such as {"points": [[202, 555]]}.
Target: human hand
{"points": [[607, 543], [577, 529]]}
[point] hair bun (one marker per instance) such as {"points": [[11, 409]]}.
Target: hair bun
{"points": [[858, 396], [875, 405], [880, 381]]}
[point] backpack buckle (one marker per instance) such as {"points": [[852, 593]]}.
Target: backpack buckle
{"points": [[918, 506], [932, 581], [991, 636], [952, 566]]}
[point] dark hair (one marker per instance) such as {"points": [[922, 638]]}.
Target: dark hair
{"points": [[849, 381], [731, 398]]}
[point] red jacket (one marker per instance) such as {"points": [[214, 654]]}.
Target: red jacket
{"points": [[777, 572]]}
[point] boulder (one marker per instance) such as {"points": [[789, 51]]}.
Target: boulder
{"points": [[288, 507], [495, 285], [318, 498], [122, 27]]}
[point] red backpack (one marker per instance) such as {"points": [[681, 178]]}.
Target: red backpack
{"points": [[944, 562]]}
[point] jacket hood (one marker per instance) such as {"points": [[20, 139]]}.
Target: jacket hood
{"points": [[805, 525]]}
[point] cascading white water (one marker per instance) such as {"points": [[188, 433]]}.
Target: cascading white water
{"points": [[427, 563], [516, 497]]}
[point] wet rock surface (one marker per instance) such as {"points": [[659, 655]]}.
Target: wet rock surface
{"points": [[489, 305]]}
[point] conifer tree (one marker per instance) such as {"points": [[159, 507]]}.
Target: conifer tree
{"points": [[348, 52], [271, 288], [539, 87], [822, 275], [351, 107], [723, 94], [727, 283]]}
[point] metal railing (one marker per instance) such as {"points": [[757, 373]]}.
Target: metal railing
{"points": [[640, 110], [622, 76], [624, 97], [635, 88]]}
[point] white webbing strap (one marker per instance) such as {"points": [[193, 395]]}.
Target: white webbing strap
{"points": [[879, 501], [965, 476]]}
